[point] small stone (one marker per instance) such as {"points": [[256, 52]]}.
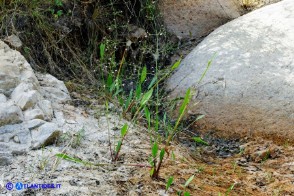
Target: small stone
{"points": [[10, 114], [32, 124], [5, 159], [16, 139], [34, 114], [46, 107], [14, 41], [27, 100], [53, 89], [44, 135]]}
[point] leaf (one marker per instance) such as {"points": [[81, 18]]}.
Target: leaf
{"points": [[176, 64], [189, 180], [207, 67], [102, 51], [146, 97], [68, 158], [119, 143], [128, 101], [124, 130], [185, 102], [143, 74], [173, 156], [152, 171], [154, 79], [148, 116], [200, 117], [199, 140], [154, 150], [161, 155], [109, 81], [138, 91], [169, 182], [186, 194]]}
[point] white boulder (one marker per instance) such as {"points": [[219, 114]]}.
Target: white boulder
{"points": [[249, 87]]}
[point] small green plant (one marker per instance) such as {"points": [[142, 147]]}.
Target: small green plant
{"points": [[230, 189], [186, 193], [74, 139], [123, 132], [199, 140], [169, 183]]}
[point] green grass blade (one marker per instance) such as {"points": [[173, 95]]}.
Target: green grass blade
{"points": [[124, 130], [161, 155], [189, 181], [207, 67], [143, 74], [146, 97], [185, 102], [69, 158], [154, 150], [138, 91], [154, 79], [148, 116], [169, 182], [102, 51], [199, 140], [176, 64], [128, 101], [117, 149]]}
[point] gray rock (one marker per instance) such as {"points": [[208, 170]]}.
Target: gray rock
{"points": [[14, 41], [53, 89], [10, 114], [32, 124], [194, 19], [34, 114], [5, 158], [44, 135], [8, 132], [249, 87], [46, 107], [27, 99], [3, 98], [9, 75]]}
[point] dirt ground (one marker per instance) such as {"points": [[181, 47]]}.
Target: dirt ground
{"points": [[257, 167]]}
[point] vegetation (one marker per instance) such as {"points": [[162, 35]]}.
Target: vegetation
{"points": [[120, 48]]}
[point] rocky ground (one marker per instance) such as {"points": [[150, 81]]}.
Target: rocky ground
{"points": [[233, 167]]}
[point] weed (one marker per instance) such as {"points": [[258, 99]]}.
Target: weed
{"points": [[169, 183], [74, 139], [123, 132], [185, 186]]}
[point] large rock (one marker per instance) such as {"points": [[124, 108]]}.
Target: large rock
{"points": [[27, 103], [197, 18], [249, 87]]}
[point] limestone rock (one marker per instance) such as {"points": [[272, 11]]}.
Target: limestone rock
{"points": [[249, 87], [3, 98], [34, 114], [194, 19], [26, 100], [23, 107], [46, 107], [53, 89], [32, 124], [10, 114], [14, 41], [5, 158], [44, 135]]}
